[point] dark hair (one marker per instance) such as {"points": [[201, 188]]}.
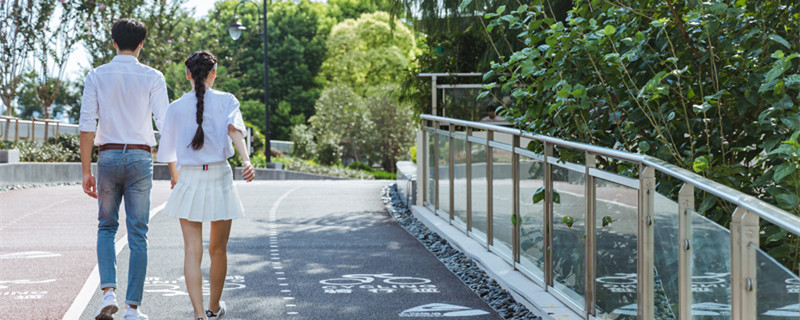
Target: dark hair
{"points": [[200, 64], [128, 33]]}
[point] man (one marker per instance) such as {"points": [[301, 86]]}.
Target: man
{"points": [[121, 96]]}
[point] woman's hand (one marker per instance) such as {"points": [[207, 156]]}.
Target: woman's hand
{"points": [[248, 172], [173, 181]]}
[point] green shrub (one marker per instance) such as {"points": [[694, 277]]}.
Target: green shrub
{"points": [[304, 145], [412, 152], [328, 151], [383, 175], [71, 143], [357, 165], [309, 166]]}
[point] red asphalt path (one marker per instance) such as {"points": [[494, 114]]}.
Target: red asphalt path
{"points": [[47, 247]]}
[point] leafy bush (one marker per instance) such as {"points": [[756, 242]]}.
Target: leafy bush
{"points": [[72, 143], [64, 148], [304, 145], [311, 167], [412, 152], [709, 86], [357, 165], [329, 152], [383, 175]]}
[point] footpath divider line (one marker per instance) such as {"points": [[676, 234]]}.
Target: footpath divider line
{"points": [[87, 291]]}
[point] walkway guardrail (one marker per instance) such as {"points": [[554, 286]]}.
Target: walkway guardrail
{"points": [[16, 129], [644, 255]]}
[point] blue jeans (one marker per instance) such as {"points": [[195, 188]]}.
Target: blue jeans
{"points": [[128, 174]]}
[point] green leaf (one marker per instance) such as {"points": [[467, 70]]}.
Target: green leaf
{"points": [[700, 164], [538, 195], [514, 220], [776, 236], [787, 201], [464, 4], [569, 221], [609, 30], [644, 146], [501, 9], [607, 220], [783, 170], [781, 40], [708, 202], [482, 95]]}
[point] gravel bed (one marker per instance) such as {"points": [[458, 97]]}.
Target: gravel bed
{"points": [[5, 188], [458, 263]]}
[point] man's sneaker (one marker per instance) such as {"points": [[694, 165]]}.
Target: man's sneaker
{"points": [[219, 314], [135, 314], [108, 307]]}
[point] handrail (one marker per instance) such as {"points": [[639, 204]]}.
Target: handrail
{"points": [[763, 209], [743, 232]]}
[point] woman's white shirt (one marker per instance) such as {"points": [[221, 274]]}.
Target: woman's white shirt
{"points": [[180, 125]]}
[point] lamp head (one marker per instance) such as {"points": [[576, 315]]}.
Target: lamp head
{"points": [[235, 28]]}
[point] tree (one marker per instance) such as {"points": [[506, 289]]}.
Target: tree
{"points": [[369, 52], [392, 126], [19, 20], [66, 102], [341, 115], [53, 47]]}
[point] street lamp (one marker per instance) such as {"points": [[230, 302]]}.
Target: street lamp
{"points": [[235, 31]]}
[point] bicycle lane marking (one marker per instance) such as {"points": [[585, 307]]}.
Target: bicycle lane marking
{"points": [[93, 281], [275, 260]]}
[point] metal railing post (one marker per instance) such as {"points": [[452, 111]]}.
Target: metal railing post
{"points": [[435, 168], [548, 216], [434, 92], [422, 164], [489, 189], [645, 244], [469, 179], [515, 250], [744, 240], [451, 170], [685, 209], [589, 226], [16, 131]]}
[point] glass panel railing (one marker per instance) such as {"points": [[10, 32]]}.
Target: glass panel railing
{"points": [[431, 178], [615, 242], [777, 291], [569, 206], [443, 162], [531, 210], [479, 191], [665, 235], [711, 272], [460, 183], [502, 202]]}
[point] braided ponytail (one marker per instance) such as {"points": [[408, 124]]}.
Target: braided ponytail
{"points": [[199, 65]]}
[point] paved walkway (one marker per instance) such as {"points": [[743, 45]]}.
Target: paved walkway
{"points": [[306, 250]]}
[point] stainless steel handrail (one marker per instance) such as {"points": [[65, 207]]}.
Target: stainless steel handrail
{"points": [[763, 209], [743, 228]]}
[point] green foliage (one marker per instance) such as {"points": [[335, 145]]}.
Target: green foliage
{"points": [[329, 152], [304, 145], [711, 86], [358, 165], [412, 153], [369, 52], [340, 119], [392, 126], [64, 148], [308, 166]]}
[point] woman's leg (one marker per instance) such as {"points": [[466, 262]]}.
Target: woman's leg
{"points": [[218, 249], [193, 255]]}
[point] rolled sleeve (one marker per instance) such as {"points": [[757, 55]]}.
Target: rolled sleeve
{"points": [[235, 116], [159, 101], [168, 145], [89, 106]]}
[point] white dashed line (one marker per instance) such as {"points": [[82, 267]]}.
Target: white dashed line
{"points": [[274, 251]]}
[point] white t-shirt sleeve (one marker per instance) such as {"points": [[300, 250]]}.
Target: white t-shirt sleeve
{"points": [[89, 105], [168, 145], [235, 116]]}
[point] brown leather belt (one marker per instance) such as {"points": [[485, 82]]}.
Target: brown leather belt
{"points": [[117, 146]]}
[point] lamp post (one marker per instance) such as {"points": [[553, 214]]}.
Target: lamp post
{"points": [[235, 31]]}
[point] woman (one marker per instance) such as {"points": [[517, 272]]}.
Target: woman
{"points": [[196, 141]]}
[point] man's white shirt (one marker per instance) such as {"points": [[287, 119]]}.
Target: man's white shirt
{"points": [[123, 94]]}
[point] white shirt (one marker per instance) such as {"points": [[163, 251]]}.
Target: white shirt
{"points": [[123, 94], [180, 124]]}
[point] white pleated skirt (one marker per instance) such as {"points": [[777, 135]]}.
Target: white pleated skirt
{"points": [[204, 194]]}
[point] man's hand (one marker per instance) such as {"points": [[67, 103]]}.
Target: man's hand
{"points": [[89, 185], [248, 172]]}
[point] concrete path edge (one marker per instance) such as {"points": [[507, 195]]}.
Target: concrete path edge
{"points": [[523, 289]]}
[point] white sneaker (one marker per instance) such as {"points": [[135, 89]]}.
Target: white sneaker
{"points": [[219, 314], [135, 314], [108, 307]]}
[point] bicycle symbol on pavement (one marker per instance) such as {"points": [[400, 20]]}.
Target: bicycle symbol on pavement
{"points": [[172, 288], [377, 283]]}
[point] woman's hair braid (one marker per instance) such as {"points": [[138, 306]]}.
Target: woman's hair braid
{"points": [[199, 64]]}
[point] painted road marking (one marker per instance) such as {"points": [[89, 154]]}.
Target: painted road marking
{"points": [[433, 310], [29, 255], [93, 281], [273, 241]]}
